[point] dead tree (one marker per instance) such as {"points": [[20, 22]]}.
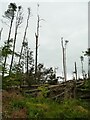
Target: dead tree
{"points": [[26, 55], [1, 32], [24, 35], [64, 57], [37, 35], [75, 72], [74, 90], [19, 19], [82, 60]]}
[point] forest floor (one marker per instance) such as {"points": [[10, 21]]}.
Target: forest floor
{"points": [[16, 105]]}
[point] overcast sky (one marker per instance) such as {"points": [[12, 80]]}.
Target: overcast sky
{"points": [[62, 19]]}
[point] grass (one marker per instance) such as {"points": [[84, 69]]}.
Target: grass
{"points": [[18, 106]]}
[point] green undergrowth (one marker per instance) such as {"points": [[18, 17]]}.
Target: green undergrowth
{"points": [[46, 108], [87, 85], [17, 105]]}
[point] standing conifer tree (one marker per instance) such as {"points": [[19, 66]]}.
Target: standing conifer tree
{"points": [[10, 14], [19, 19]]}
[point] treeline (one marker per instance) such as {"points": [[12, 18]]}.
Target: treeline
{"points": [[23, 68], [21, 71]]}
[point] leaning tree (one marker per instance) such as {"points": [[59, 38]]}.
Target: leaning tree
{"points": [[10, 14], [19, 18]]}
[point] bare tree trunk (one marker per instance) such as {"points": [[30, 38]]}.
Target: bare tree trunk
{"points": [[18, 22], [36, 35], [82, 70], [65, 72], [13, 49], [24, 35], [76, 70], [7, 44], [27, 61], [36, 55], [1, 32], [64, 64]]}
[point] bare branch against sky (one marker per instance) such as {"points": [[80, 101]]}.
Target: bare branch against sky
{"points": [[62, 19]]}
